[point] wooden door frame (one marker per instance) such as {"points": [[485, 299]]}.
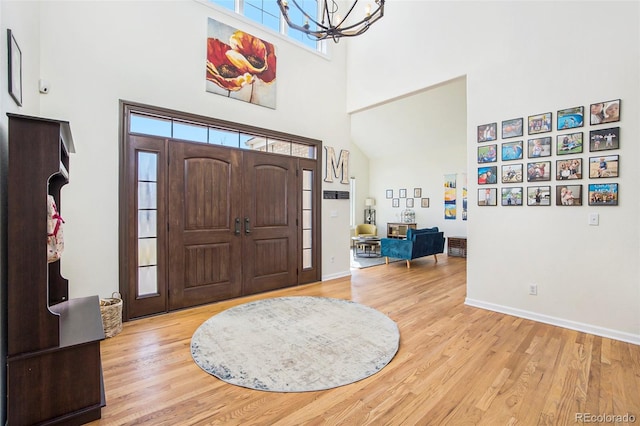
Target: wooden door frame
{"points": [[126, 213]]}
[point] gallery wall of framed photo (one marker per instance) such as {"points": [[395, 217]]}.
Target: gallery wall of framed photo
{"points": [[571, 161]]}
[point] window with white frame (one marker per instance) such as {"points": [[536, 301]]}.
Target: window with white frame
{"points": [[267, 13]]}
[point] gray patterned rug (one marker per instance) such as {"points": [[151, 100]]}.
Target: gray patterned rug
{"points": [[295, 344]]}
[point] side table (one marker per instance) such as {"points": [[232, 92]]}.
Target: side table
{"points": [[457, 246]]}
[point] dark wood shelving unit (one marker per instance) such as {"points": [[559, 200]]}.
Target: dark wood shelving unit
{"points": [[54, 371]]}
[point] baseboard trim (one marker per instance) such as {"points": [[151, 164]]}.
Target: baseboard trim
{"points": [[336, 275], [559, 322]]}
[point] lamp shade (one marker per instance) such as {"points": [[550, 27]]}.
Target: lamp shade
{"points": [[369, 202]]}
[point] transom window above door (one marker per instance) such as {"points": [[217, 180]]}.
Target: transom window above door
{"points": [[200, 132]]}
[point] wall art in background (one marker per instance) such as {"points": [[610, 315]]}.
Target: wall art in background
{"points": [[605, 112], [570, 118], [603, 194]]}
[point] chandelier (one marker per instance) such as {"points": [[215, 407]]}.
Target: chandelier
{"points": [[334, 24]]}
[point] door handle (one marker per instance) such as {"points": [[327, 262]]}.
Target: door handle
{"points": [[246, 226], [237, 230]]}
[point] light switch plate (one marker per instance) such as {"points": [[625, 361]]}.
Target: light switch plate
{"points": [[594, 219]]}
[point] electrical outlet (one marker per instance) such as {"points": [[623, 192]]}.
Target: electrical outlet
{"points": [[533, 289], [333, 259]]}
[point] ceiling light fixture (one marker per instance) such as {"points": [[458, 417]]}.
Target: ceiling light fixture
{"points": [[333, 24]]}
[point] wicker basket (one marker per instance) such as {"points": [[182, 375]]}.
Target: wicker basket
{"points": [[111, 310]]}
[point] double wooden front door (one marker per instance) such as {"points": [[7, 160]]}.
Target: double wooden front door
{"points": [[231, 224]]}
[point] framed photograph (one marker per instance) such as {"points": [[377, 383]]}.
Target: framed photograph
{"points": [[512, 196], [540, 123], [487, 132], [487, 175], [569, 144], [389, 193], [424, 203], [538, 195], [606, 166], [512, 151], [540, 147], [539, 171], [402, 193], [15, 68], [603, 194], [512, 128], [487, 153], [417, 192], [488, 197], [569, 169], [409, 203], [570, 118], [568, 195], [512, 173], [605, 112], [604, 139], [395, 202]]}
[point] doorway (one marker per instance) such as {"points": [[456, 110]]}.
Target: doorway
{"points": [[202, 223]]}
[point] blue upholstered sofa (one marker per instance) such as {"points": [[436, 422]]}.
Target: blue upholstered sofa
{"points": [[419, 243]]}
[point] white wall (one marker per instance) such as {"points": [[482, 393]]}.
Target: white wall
{"points": [[520, 59], [96, 53], [412, 142]]}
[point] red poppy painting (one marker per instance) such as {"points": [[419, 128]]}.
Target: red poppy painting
{"points": [[240, 66]]}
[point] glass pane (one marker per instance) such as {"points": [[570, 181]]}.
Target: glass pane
{"points": [[306, 259], [223, 137], [271, 7], [147, 280], [227, 4], [306, 219], [271, 21], [253, 13], [306, 239], [150, 125], [189, 132], [256, 143], [306, 200], [147, 166], [279, 147], [303, 151], [147, 254], [147, 198], [147, 223], [307, 180]]}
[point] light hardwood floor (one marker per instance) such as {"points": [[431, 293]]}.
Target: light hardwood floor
{"points": [[457, 365]]}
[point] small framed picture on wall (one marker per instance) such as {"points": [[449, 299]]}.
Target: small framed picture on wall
{"points": [[603, 194], [488, 197], [512, 196], [540, 123], [605, 112], [568, 195]]}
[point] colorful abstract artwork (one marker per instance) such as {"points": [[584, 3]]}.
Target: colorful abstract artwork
{"points": [[450, 196], [240, 66]]}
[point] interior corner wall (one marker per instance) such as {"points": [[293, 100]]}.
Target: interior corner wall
{"points": [[521, 59]]}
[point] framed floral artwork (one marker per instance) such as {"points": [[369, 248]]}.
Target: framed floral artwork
{"points": [[251, 76]]}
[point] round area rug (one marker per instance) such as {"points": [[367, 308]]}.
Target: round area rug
{"points": [[295, 344]]}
